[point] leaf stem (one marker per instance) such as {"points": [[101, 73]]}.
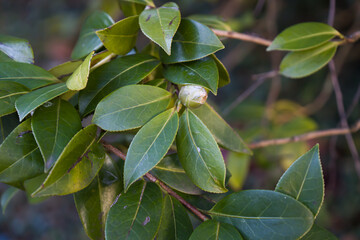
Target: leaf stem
{"points": [[152, 178], [242, 36]]}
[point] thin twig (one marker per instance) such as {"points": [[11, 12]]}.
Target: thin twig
{"points": [[306, 136], [331, 17], [343, 117], [242, 36], [152, 178], [260, 80]]}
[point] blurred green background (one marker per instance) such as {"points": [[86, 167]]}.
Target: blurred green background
{"points": [[278, 108]]}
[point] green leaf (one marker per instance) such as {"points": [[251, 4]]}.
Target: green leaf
{"points": [[222, 132], [143, 2], [192, 41], [202, 72], [304, 181], [7, 125], [9, 92], [29, 102], [64, 70], [175, 222], [170, 171], [88, 41], [303, 63], [16, 49], [76, 166], [303, 36], [78, 80], [213, 230], [124, 32], [199, 154], [130, 9], [238, 165], [93, 202], [150, 145], [130, 107], [136, 214], [263, 214], [6, 197], [160, 24], [20, 158], [53, 127], [211, 21], [224, 77], [317, 233], [29, 75], [120, 72]]}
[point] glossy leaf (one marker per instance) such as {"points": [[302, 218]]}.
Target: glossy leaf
{"points": [[120, 72], [170, 171], [222, 132], [79, 78], [263, 214], [64, 70], [199, 154], [304, 180], [6, 197], [16, 49], [9, 92], [192, 41], [238, 165], [303, 63], [150, 145], [124, 31], [88, 41], [160, 24], [77, 165], [29, 75], [303, 36], [317, 233], [93, 202], [7, 125], [130, 107], [224, 77], [143, 2], [213, 230], [136, 214], [211, 21], [130, 8], [175, 222], [202, 72], [20, 158], [29, 102], [53, 127]]}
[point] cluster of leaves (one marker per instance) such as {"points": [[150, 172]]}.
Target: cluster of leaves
{"points": [[49, 148], [312, 45]]}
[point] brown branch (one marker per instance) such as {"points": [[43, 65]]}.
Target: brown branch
{"points": [[306, 136], [242, 36], [343, 117], [152, 178]]}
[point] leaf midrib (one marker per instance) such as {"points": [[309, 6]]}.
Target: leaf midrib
{"points": [[193, 141], [132, 107]]}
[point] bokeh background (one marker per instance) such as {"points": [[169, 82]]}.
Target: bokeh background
{"points": [[278, 108]]}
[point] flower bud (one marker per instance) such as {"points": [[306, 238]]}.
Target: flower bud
{"points": [[193, 96]]}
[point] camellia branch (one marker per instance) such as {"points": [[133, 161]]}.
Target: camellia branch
{"points": [[306, 136], [242, 36], [152, 178]]}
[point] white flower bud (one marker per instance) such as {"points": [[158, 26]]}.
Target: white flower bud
{"points": [[193, 96]]}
